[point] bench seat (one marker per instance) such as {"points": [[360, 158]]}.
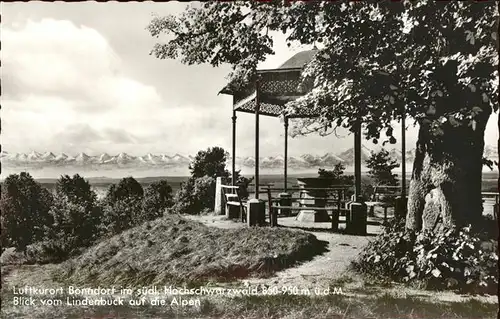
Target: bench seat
{"points": [[308, 208]]}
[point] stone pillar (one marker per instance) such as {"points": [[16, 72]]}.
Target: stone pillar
{"points": [[219, 208], [285, 200], [356, 219], [256, 212]]}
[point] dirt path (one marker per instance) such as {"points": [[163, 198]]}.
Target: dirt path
{"points": [[331, 268], [320, 271]]}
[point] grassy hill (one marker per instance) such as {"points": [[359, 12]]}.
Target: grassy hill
{"points": [[175, 250]]}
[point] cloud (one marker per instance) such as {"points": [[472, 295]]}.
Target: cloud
{"points": [[59, 75], [67, 89]]}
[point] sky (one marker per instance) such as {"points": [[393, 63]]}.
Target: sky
{"points": [[78, 77]]}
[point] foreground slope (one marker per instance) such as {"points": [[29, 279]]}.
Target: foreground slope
{"points": [[174, 250]]}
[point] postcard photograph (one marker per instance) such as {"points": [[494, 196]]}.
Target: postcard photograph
{"points": [[250, 159]]}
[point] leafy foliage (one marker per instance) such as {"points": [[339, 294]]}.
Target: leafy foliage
{"points": [[433, 61], [121, 215], [122, 206], [157, 198], [25, 208], [211, 162], [75, 214], [381, 165], [195, 196], [459, 259], [126, 188], [75, 188], [337, 175], [243, 182]]}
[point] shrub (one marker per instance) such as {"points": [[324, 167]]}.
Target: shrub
{"points": [[122, 206], [25, 208], [75, 189], [195, 196], [157, 198], [243, 182], [76, 216], [211, 162], [457, 258], [76, 224], [336, 175], [381, 165], [120, 215], [127, 187]]}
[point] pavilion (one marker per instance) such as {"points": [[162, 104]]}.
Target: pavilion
{"points": [[267, 94]]}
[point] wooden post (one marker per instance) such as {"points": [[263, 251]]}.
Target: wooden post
{"points": [[257, 108], [357, 162], [286, 155], [336, 215], [403, 157], [233, 160], [272, 211]]}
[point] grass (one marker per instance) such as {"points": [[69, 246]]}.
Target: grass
{"points": [[174, 250], [383, 306]]}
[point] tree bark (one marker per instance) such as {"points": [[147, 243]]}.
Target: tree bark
{"points": [[445, 187], [497, 27]]}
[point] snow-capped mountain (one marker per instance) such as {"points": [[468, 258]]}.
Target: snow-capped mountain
{"points": [[249, 161], [178, 158], [124, 158], [311, 160], [61, 157], [33, 156], [82, 158], [331, 159], [348, 155], [304, 161], [103, 158], [47, 156]]}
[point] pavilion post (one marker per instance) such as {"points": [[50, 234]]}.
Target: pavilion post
{"points": [[286, 155], [256, 209], [401, 203], [403, 158], [257, 109], [356, 222], [357, 163], [233, 154]]}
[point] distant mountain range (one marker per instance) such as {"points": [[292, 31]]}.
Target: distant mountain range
{"points": [[123, 160]]}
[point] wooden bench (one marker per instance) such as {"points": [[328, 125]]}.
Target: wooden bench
{"points": [[335, 205], [378, 199], [235, 206]]}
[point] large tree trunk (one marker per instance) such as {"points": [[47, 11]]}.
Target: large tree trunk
{"points": [[445, 187]]}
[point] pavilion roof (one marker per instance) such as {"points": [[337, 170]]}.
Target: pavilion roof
{"points": [[277, 87]]}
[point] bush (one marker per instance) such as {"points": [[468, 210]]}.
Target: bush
{"points": [[456, 259], [76, 189], [76, 224], [75, 213], [25, 206], [120, 215], [122, 206], [243, 182], [127, 187], [336, 175], [157, 198], [196, 195], [211, 162]]}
